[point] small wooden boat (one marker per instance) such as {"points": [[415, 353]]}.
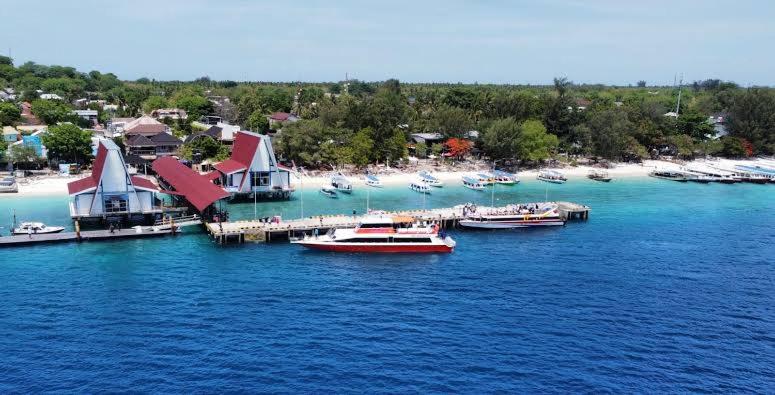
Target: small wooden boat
{"points": [[504, 178], [341, 183], [671, 175], [599, 175], [473, 183], [36, 228], [429, 179], [329, 191], [555, 177], [420, 186], [373, 181]]}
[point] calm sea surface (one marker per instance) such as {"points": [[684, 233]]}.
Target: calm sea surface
{"points": [[668, 287]]}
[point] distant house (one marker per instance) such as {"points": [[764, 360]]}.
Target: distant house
{"points": [[719, 122], [110, 193], [89, 115], [50, 96], [169, 113], [150, 147], [253, 168], [116, 126], [28, 117], [222, 132], [11, 135], [426, 138], [277, 119], [580, 105], [145, 126], [210, 119], [34, 141]]}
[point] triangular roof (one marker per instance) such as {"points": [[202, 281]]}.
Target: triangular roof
{"points": [[245, 146], [90, 183], [144, 125]]}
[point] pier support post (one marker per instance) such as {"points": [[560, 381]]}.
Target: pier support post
{"points": [[77, 230]]}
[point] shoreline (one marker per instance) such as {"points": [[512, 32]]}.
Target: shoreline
{"points": [[56, 186]]}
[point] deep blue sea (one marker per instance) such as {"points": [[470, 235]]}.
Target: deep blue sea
{"points": [[668, 287]]}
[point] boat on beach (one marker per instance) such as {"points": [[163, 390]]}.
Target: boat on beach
{"points": [[530, 215], [599, 175], [430, 179], [36, 228], [329, 191], [552, 176], [341, 183], [383, 234], [8, 185], [473, 183], [373, 181], [419, 185]]}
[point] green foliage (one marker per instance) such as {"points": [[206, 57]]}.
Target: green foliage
{"points": [[68, 142], [683, 144], [609, 132], [23, 154], [154, 103], [5, 60], [437, 149], [421, 150], [208, 147], [9, 114], [732, 147], [52, 111], [310, 143], [752, 117], [529, 141], [257, 122], [3, 148], [361, 147], [194, 105]]}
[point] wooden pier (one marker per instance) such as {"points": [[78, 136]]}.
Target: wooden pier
{"points": [[89, 235], [258, 231]]}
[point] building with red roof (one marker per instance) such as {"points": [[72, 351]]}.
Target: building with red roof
{"points": [[253, 168], [196, 189], [110, 193]]}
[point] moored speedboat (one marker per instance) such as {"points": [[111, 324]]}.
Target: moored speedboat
{"points": [[599, 175], [552, 176], [383, 234], [430, 179], [36, 228], [373, 181], [419, 186], [341, 183], [485, 179], [329, 191], [473, 183], [514, 216]]}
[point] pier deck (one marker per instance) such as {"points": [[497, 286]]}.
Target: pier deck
{"points": [[241, 231], [122, 234]]}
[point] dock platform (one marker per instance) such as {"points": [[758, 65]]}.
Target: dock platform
{"points": [[257, 231], [89, 235]]}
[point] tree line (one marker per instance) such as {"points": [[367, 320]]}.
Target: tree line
{"points": [[357, 122]]}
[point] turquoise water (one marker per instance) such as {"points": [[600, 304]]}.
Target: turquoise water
{"points": [[668, 287]]}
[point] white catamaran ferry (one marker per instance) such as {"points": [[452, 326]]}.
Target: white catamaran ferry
{"points": [[513, 216]]}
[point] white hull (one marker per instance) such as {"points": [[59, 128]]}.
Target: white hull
{"points": [[552, 180], [509, 225], [474, 188]]}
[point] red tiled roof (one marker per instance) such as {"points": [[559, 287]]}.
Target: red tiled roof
{"points": [[229, 166], [144, 183], [197, 190], [280, 116]]}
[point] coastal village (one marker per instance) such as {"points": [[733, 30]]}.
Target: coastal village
{"points": [[170, 167]]}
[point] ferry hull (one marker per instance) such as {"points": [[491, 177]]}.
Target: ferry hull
{"points": [[510, 224], [377, 248]]}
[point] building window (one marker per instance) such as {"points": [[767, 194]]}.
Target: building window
{"points": [[116, 204], [259, 178]]}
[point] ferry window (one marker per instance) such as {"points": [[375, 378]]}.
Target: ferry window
{"points": [[259, 178], [115, 203]]}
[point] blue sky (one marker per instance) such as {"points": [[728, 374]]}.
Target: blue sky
{"points": [[606, 41]]}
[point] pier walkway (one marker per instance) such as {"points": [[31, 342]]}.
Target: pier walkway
{"points": [[253, 230], [89, 235]]}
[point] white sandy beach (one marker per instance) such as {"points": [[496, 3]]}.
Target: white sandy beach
{"points": [[57, 185]]}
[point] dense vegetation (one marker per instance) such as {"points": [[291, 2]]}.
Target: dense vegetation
{"points": [[355, 122]]}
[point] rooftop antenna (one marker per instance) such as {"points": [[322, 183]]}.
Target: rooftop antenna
{"points": [[678, 104]]}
